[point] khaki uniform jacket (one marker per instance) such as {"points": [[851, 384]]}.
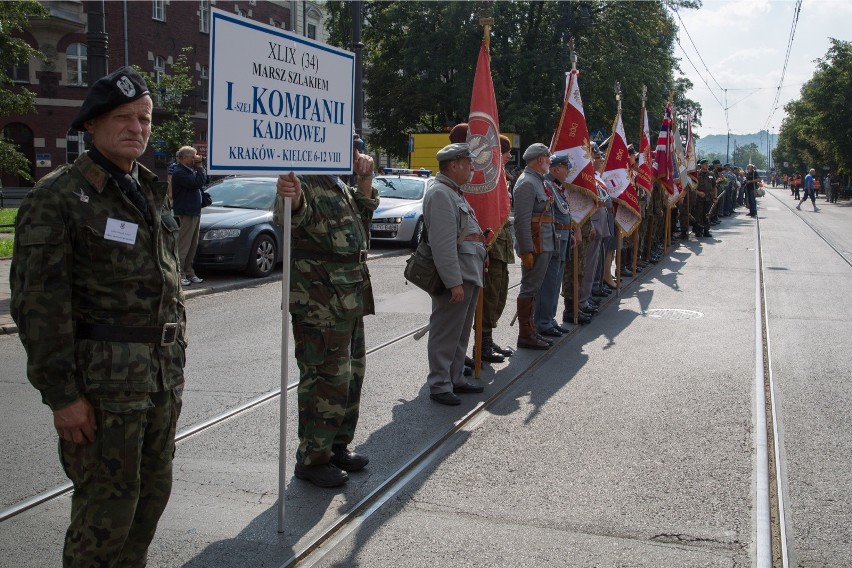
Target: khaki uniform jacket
{"points": [[448, 215], [530, 202], [68, 267]]}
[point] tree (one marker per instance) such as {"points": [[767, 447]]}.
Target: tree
{"points": [[748, 154], [15, 100], [817, 131], [171, 95], [419, 62]]}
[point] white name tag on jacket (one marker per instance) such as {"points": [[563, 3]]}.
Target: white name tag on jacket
{"points": [[121, 231]]}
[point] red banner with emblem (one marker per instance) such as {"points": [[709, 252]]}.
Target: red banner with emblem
{"points": [[616, 177], [571, 138], [487, 192], [645, 175]]}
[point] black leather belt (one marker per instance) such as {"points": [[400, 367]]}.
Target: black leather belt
{"points": [[165, 335], [360, 256]]}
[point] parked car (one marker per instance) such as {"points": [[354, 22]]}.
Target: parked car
{"points": [[399, 217], [236, 230]]}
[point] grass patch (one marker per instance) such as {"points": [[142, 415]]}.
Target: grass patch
{"points": [[7, 217], [5, 247]]}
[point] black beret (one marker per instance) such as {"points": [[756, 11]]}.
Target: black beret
{"points": [[119, 87], [702, 162]]}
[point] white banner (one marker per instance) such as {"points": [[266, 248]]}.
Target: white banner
{"points": [[279, 102]]}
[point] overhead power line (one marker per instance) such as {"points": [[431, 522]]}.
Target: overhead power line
{"points": [[774, 105]]}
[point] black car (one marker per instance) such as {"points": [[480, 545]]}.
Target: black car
{"points": [[236, 230]]}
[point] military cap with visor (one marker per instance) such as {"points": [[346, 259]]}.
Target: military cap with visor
{"points": [[536, 150], [120, 87], [452, 152], [560, 160]]}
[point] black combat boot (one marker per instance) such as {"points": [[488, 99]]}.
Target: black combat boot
{"points": [[348, 460], [488, 352], [322, 475]]}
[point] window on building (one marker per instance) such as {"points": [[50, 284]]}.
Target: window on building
{"points": [[205, 82], [159, 73], [75, 145], [77, 64], [312, 31], [159, 10], [204, 15], [19, 73]]}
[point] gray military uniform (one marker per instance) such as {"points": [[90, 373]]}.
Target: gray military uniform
{"points": [[531, 203], [459, 263]]}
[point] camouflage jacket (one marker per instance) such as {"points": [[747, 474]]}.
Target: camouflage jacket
{"points": [[333, 222], [66, 270]]}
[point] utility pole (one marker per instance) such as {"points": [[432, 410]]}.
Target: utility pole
{"points": [[96, 41], [358, 48]]}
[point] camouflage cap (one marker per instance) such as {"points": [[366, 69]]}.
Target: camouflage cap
{"points": [[119, 87], [452, 152]]}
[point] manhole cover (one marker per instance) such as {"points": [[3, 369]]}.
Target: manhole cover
{"points": [[672, 314]]}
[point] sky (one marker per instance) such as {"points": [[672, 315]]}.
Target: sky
{"points": [[743, 44]]}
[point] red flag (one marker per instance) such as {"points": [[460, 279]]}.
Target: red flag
{"points": [[645, 175], [487, 192], [663, 155], [571, 138], [616, 176]]}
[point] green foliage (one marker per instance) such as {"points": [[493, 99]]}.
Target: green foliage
{"points": [[817, 131], [748, 154], [172, 96], [420, 59], [13, 99]]}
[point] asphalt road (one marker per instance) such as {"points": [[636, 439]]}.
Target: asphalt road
{"points": [[632, 444]]}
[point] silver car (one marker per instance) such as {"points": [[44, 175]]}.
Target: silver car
{"points": [[399, 217]]}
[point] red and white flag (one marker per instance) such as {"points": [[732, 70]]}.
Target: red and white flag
{"points": [[645, 175], [691, 178], [571, 138], [616, 176], [681, 180], [487, 192], [663, 167]]}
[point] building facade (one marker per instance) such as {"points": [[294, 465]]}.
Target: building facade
{"points": [[149, 34]]}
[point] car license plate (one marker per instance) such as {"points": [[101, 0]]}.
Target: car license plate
{"points": [[383, 227]]}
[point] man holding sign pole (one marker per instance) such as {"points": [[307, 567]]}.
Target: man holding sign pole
{"points": [[330, 292]]}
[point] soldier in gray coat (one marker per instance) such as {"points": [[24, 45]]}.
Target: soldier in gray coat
{"points": [[535, 239], [458, 249], [547, 300]]}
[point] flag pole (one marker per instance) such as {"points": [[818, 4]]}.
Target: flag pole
{"points": [[575, 262], [485, 22], [285, 340]]}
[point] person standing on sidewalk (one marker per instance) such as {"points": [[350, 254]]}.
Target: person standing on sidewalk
{"points": [[535, 239], [330, 293], [752, 181], [188, 181], [547, 300], [458, 249], [98, 304], [808, 186]]}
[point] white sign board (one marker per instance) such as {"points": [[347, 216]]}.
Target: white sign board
{"points": [[279, 102]]}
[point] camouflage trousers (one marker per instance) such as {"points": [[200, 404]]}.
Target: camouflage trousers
{"points": [[495, 292], [122, 480], [332, 359]]}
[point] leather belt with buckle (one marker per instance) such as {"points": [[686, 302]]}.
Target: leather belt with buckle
{"points": [[164, 336]]}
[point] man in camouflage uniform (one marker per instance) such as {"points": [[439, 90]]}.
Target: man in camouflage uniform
{"points": [[705, 194], [97, 299], [330, 292]]}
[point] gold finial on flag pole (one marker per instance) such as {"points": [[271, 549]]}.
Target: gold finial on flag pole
{"points": [[618, 94], [573, 54], [486, 21]]}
